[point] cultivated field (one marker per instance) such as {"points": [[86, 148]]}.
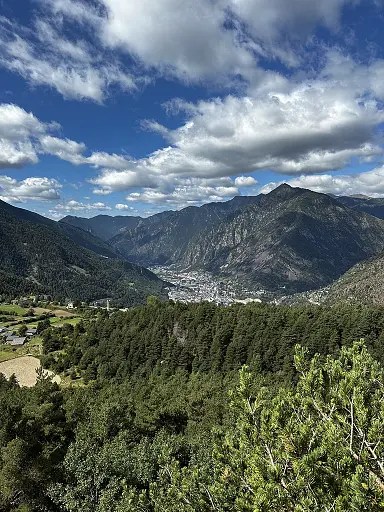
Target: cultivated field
{"points": [[24, 369]]}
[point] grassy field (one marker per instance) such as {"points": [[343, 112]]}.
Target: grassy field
{"points": [[62, 316], [13, 309], [56, 321], [5, 355]]}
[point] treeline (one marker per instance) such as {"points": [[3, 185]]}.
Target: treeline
{"points": [[166, 422]]}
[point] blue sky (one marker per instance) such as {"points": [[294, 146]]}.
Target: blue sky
{"points": [[127, 108]]}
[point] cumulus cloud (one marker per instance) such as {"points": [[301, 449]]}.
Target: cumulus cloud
{"points": [[315, 127], [16, 154], [319, 125], [245, 181], [17, 124], [38, 189], [76, 206], [277, 24], [370, 183], [187, 40], [197, 40], [186, 192], [123, 207], [19, 130], [45, 57], [65, 149]]}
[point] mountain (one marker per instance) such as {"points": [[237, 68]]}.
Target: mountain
{"points": [[359, 202], [362, 284], [291, 238], [38, 256], [163, 238], [102, 226], [79, 236]]}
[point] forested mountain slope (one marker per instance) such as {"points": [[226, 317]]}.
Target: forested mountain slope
{"points": [[362, 284], [38, 257], [373, 206], [164, 337], [79, 236], [289, 240]]}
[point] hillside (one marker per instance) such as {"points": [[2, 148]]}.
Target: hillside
{"points": [[155, 402], [102, 226], [37, 257], [291, 238], [79, 236], [372, 206], [362, 284]]}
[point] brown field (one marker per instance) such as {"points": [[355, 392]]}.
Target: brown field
{"points": [[62, 312], [41, 311], [24, 369]]}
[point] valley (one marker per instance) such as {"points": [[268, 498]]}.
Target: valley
{"points": [[196, 286]]}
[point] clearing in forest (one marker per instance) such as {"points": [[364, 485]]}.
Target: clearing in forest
{"points": [[24, 369]]}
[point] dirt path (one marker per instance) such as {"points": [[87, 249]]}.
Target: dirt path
{"points": [[24, 369]]}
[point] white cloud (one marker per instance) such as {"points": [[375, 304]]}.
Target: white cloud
{"points": [[186, 39], [185, 192], [123, 207], [65, 149], [370, 183], [245, 181], [17, 124], [197, 40], [37, 189], [277, 24], [18, 132], [44, 57], [75, 206], [16, 154], [315, 127]]}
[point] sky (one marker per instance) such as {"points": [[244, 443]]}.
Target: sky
{"points": [[134, 107]]}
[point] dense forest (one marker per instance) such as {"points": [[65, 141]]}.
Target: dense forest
{"points": [[187, 408]]}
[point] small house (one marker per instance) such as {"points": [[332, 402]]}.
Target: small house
{"points": [[32, 331], [17, 341]]}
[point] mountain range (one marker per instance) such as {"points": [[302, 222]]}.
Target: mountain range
{"points": [[291, 239], [288, 241], [38, 255]]}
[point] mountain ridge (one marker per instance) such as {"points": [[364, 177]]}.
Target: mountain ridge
{"points": [[102, 226]]}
